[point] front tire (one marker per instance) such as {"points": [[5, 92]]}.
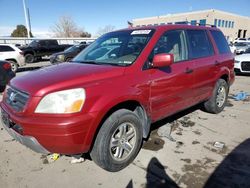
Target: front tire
{"points": [[219, 98], [118, 141], [29, 58]]}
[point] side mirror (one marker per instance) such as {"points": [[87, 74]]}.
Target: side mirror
{"points": [[162, 60]]}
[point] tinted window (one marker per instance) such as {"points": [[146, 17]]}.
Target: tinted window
{"points": [[172, 42], [199, 44], [4, 48], [221, 42]]}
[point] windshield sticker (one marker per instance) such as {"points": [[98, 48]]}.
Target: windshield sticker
{"points": [[140, 32]]}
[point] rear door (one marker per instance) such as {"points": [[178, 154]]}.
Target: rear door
{"points": [[171, 87], [205, 68]]}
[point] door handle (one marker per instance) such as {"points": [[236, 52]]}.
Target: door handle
{"points": [[216, 63], [189, 71]]}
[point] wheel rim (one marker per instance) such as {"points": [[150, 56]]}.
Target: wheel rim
{"points": [[221, 96], [123, 141], [13, 66]]}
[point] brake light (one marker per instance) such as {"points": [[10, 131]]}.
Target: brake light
{"points": [[7, 66], [21, 53]]}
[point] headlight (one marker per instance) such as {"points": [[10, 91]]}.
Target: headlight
{"points": [[236, 61], [62, 102], [60, 57]]}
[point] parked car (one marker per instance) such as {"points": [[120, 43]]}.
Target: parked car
{"points": [[39, 48], [241, 47], [105, 101], [12, 54], [237, 40], [6, 74], [242, 63], [68, 54]]}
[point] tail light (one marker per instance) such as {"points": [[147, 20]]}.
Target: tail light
{"points": [[7, 66], [21, 53]]}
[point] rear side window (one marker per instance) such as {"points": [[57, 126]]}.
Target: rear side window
{"points": [[4, 48], [199, 44], [221, 42]]}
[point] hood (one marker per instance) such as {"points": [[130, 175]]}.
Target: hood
{"points": [[24, 46], [243, 57], [62, 53], [64, 76]]}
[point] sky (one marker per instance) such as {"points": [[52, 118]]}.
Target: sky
{"points": [[91, 15]]}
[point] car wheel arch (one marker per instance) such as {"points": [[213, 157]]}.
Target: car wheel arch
{"points": [[131, 105]]}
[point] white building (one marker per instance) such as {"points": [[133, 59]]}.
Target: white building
{"points": [[232, 25]]}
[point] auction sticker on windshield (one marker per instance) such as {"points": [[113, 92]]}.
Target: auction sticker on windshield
{"points": [[140, 32]]}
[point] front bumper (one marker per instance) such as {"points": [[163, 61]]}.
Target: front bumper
{"points": [[52, 134], [28, 141]]}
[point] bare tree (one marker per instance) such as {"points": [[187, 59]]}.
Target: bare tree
{"points": [[66, 27], [105, 29]]}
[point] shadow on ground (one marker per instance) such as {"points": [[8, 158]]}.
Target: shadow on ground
{"points": [[157, 177], [234, 171], [33, 66]]}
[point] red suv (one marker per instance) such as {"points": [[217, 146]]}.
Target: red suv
{"points": [[106, 99]]}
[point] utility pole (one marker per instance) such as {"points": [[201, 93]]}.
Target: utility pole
{"points": [[26, 18]]}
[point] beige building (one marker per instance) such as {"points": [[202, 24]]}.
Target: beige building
{"points": [[232, 25]]}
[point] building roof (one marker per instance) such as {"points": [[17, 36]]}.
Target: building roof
{"points": [[190, 13]]}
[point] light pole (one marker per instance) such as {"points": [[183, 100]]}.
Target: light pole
{"points": [[26, 18]]}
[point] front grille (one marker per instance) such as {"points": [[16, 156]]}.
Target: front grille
{"points": [[16, 99], [245, 66]]}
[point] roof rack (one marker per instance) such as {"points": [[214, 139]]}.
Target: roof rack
{"points": [[196, 24]]}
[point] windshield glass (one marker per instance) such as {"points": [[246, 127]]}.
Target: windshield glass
{"points": [[33, 43], [72, 48], [116, 48], [240, 44]]}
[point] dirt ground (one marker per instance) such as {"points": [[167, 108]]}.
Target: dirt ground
{"points": [[191, 160]]}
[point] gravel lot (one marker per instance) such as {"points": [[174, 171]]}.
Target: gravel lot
{"points": [[190, 161]]}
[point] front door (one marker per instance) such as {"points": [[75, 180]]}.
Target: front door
{"points": [[171, 87]]}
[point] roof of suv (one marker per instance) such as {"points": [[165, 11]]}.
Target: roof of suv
{"points": [[173, 26]]}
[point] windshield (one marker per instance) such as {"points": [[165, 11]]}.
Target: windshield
{"points": [[33, 43], [240, 44], [116, 48], [72, 48]]}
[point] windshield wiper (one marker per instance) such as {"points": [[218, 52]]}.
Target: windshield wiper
{"points": [[100, 63]]}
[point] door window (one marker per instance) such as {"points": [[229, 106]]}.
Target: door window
{"points": [[172, 42], [199, 44]]}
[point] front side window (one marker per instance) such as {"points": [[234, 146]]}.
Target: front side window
{"points": [[4, 48], [116, 48], [199, 44], [172, 42]]}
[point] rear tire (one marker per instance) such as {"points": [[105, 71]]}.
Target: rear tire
{"points": [[14, 65], [29, 58], [219, 98], [118, 141]]}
